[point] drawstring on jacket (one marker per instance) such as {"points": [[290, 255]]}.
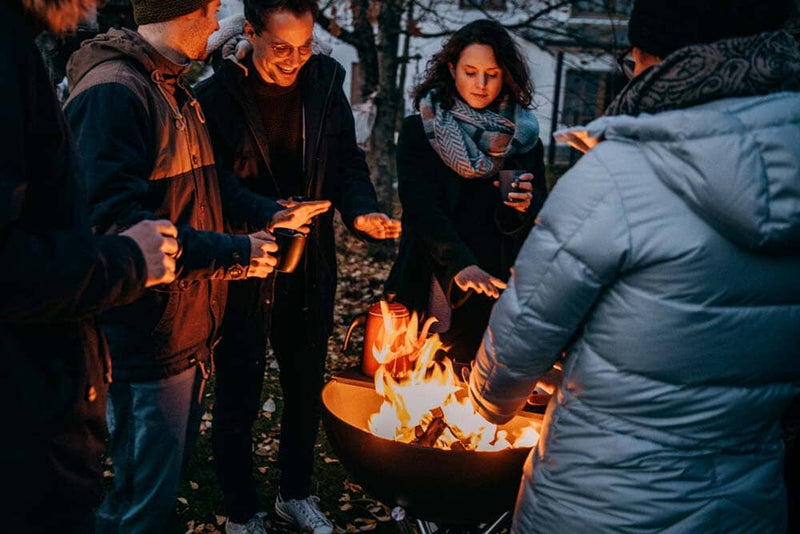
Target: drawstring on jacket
{"points": [[180, 122]]}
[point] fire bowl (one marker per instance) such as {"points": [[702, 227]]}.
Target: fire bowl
{"points": [[452, 487]]}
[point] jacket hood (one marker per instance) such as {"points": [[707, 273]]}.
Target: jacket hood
{"points": [[735, 162], [118, 45]]}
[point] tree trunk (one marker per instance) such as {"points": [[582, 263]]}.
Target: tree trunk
{"points": [[382, 143]]}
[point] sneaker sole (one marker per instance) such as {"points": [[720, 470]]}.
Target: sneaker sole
{"points": [[286, 517]]}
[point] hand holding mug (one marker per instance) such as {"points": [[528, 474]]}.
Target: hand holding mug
{"points": [[158, 241], [515, 188], [262, 255]]}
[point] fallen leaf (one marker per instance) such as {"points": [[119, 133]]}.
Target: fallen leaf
{"points": [[352, 487]]}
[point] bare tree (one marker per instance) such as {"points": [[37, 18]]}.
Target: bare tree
{"points": [[378, 28]]}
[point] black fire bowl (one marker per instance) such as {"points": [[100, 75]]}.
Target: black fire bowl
{"points": [[452, 487]]}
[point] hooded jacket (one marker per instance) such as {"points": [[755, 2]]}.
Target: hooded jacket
{"points": [[145, 153], [666, 266], [334, 167], [55, 276]]}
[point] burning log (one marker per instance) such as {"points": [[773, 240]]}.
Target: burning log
{"points": [[428, 436], [419, 386]]}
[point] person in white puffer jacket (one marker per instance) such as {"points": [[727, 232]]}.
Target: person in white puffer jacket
{"points": [[666, 265]]}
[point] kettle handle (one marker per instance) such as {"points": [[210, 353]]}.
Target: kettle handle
{"points": [[361, 318]]}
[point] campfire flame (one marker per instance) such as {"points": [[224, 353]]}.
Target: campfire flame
{"points": [[425, 402]]}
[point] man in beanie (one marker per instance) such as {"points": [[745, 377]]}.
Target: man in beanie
{"points": [[145, 152], [666, 266], [54, 277]]}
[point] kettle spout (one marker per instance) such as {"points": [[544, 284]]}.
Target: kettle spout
{"points": [[361, 318]]}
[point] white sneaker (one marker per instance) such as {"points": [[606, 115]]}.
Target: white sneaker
{"points": [[304, 514], [254, 525]]}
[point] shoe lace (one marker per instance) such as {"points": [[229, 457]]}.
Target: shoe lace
{"points": [[309, 507]]}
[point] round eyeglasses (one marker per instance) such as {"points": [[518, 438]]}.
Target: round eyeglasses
{"points": [[627, 63], [285, 50]]}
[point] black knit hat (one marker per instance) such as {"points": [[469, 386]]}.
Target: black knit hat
{"points": [[662, 26], [149, 11]]}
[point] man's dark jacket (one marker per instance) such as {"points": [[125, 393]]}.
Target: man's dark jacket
{"points": [[146, 154], [54, 275], [334, 166]]}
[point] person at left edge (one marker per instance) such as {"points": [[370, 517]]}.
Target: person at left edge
{"points": [[145, 152], [55, 276]]}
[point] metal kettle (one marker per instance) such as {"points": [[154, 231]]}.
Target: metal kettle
{"points": [[374, 325]]}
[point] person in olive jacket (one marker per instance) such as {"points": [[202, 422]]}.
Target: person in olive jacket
{"points": [[281, 126], [145, 152], [461, 238], [54, 277]]}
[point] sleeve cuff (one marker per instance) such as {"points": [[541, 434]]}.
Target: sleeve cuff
{"points": [[486, 409]]}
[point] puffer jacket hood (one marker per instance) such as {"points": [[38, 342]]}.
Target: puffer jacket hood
{"points": [[118, 45], [752, 198]]}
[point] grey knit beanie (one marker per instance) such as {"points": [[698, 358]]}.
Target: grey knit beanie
{"points": [[149, 11]]}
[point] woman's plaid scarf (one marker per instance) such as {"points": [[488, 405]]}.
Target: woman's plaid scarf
{"points": [[760, 64], [475, 142]]}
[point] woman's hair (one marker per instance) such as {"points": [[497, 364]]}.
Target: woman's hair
{"points": [[516, 78], [59, 16]]}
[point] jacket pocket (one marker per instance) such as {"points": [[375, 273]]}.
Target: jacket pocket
{"points": [[171, 304]]}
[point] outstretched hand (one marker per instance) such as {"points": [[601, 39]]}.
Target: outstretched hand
{"points": [[474, 278], [298, 215], [378, 226]]}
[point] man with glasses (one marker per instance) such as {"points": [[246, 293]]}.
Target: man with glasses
{"points": [[280, 122]]}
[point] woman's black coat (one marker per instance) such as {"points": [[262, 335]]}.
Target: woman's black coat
{"points": [[430, 244]]}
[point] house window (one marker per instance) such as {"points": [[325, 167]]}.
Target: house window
{"points": [[601, 8], [488, 5], [588, 93]]}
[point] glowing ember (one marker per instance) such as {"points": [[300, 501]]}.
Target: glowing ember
{"points": [[425, 402]]}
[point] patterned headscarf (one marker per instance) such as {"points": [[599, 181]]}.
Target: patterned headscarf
{"points": [[743, 66], [475, 142]]}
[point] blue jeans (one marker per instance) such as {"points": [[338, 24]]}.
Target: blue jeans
{"points": [[153, 428]]}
